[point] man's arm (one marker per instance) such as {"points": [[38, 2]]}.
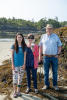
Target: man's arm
{"points": [[59, 50]]}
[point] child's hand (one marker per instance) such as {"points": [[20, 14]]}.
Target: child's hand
{"points": [[23, 67], [13, 68]]}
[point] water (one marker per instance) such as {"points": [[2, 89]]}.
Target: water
{"points": [[9, 40], [5, 51], [6, 40]]}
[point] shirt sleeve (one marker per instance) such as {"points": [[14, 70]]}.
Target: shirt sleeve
{"points": [[59, 42], [40, 43], [36, 51], [12, 47]]}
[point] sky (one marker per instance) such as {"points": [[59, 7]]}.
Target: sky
{"points": [[34, 10]]}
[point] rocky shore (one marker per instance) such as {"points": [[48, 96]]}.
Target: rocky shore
{"points": [[6, 87]]}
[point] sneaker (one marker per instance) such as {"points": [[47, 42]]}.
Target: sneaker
{"points": [[56, 88], [19, 94], [15, 95], [45, 87], [36, 91], [27, 90]]}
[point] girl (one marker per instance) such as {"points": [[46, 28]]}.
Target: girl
{"points": [[31, 63], [18, 62]]}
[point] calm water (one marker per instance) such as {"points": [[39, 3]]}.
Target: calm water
{"points": [[9, 40], [6, 40]]}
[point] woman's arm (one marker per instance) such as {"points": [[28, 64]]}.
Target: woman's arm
{"points": [[12, 52], [40, 53], [24, 60]]}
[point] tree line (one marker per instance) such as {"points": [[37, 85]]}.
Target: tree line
{"points": [[19, 25]]}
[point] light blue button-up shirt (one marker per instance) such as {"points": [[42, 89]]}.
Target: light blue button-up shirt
{"points": [[50, 43]]}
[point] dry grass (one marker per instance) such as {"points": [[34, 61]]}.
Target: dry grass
{"points": [[6, 82]]}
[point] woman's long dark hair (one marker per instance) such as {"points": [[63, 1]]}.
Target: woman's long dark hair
{"points": [[23, 44]]}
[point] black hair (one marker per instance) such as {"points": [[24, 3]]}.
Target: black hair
{"points": [[31, 37]]}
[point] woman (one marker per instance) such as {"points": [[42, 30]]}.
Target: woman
{"points": [[18, 62], [31, 63]]}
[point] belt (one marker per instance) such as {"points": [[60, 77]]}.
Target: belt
{"points": [[49, 55]]}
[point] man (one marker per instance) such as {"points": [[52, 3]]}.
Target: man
{"points": [[50, 44]]}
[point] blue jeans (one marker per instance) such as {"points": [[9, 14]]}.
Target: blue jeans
{"points": [[54, 62], [34, 76]]}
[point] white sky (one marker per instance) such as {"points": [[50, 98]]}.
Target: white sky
{"points": [[34, 9]]}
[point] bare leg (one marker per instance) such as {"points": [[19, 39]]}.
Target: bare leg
{"points": [[15, 88]]}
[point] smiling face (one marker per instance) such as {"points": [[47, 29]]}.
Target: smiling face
{"points": [[30, 38], [49, 30], [19, 38]]}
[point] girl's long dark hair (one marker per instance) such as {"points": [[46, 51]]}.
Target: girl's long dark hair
{"points": [[23, 44]]}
